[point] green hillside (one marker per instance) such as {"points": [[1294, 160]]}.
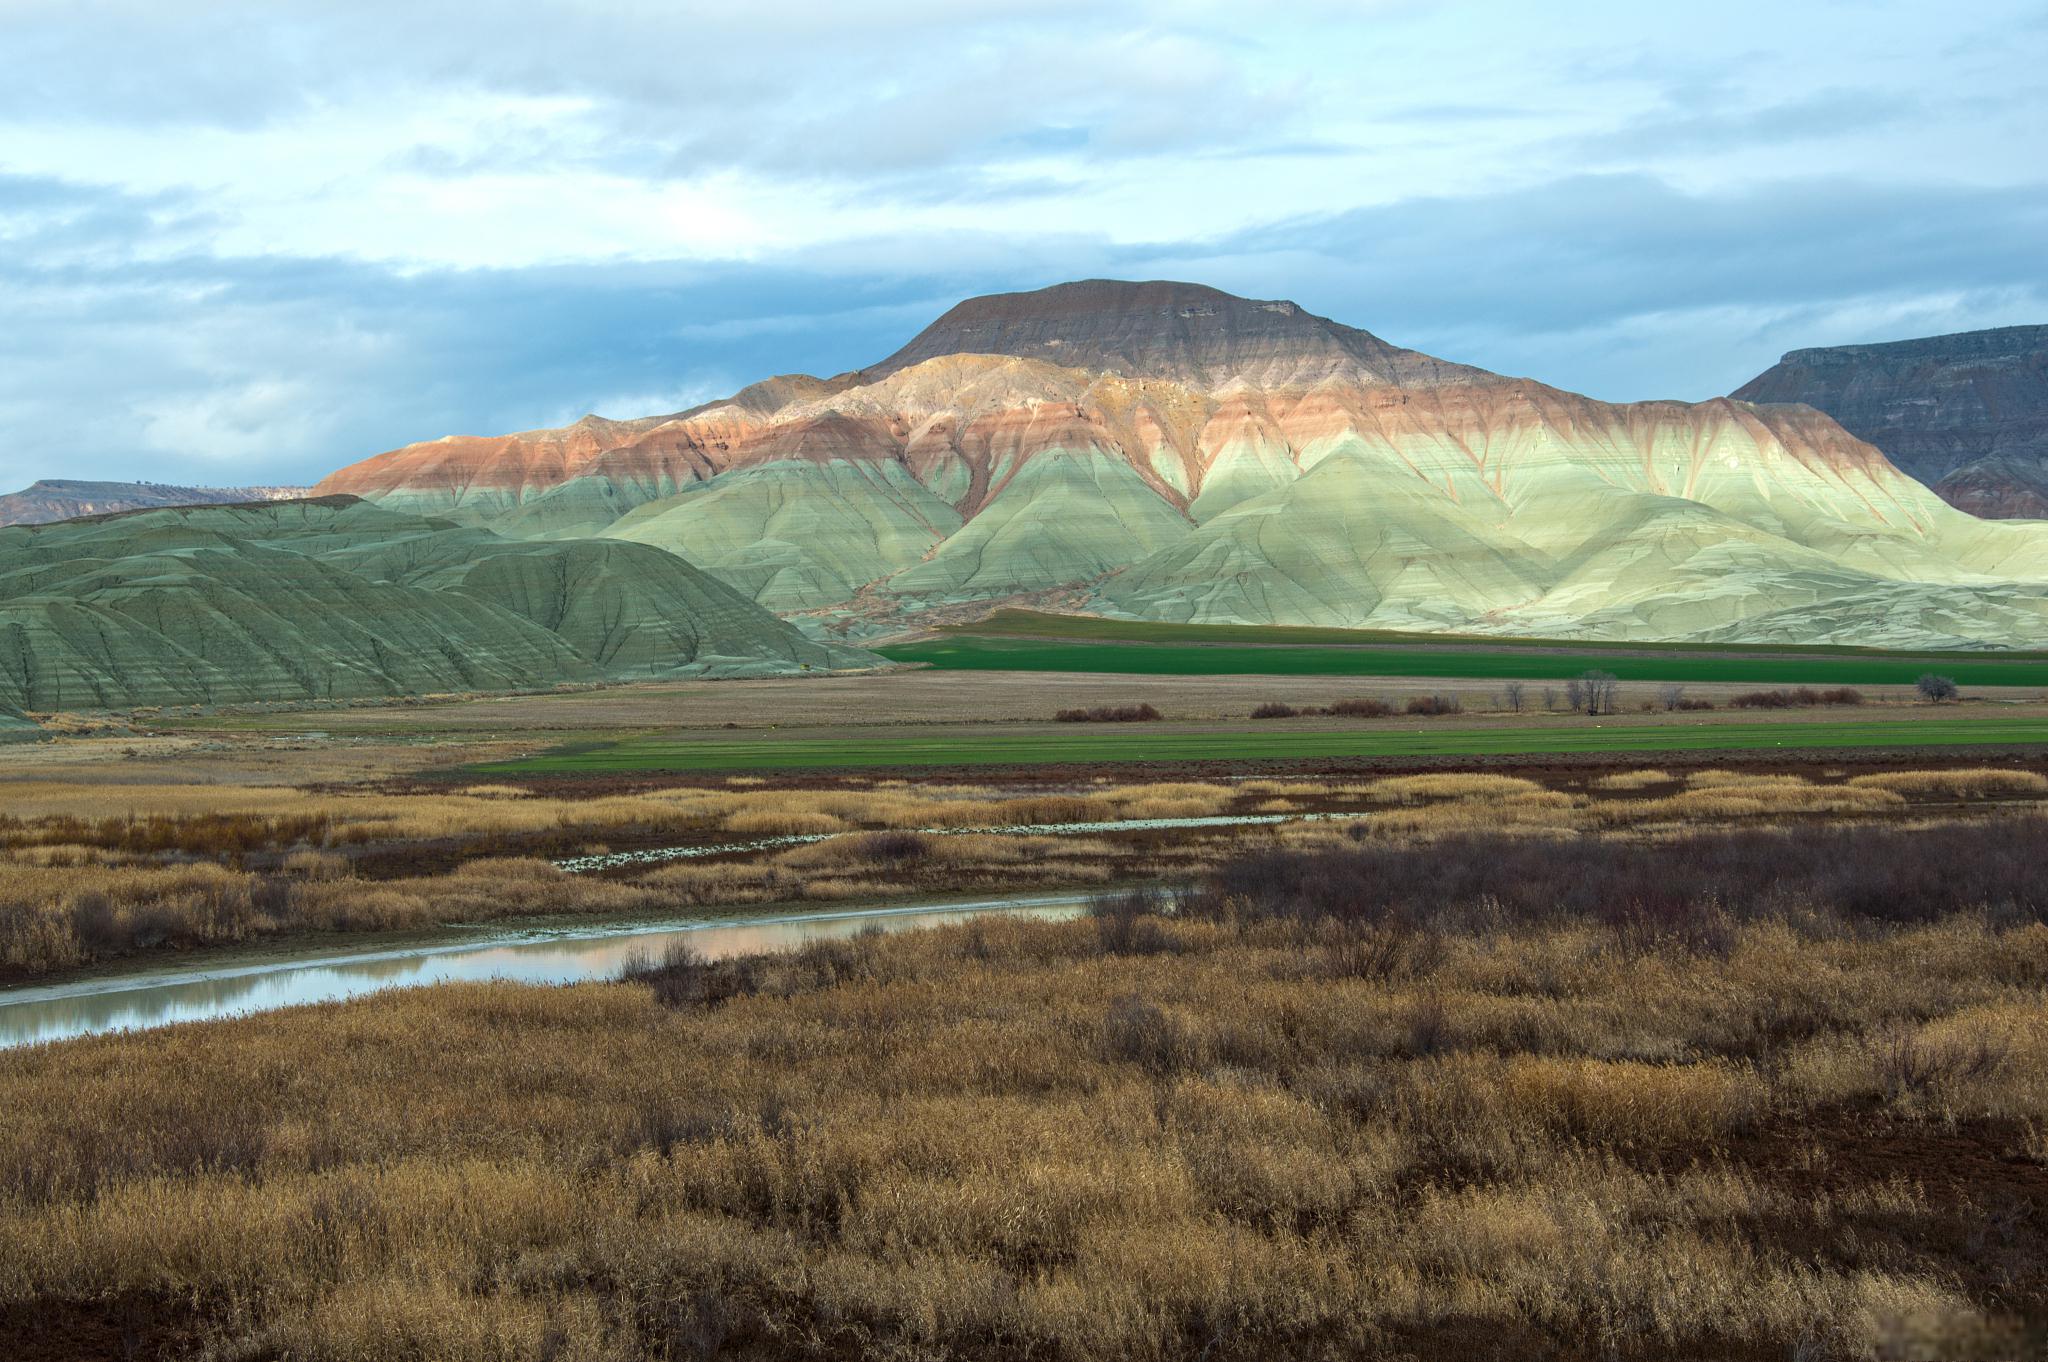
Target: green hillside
{"points": [[337, 599]]}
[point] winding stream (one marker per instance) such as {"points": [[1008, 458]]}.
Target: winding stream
{"points": [[165, 995]]}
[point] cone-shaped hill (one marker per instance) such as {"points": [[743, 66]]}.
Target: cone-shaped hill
{"points": [[1168, 451]]}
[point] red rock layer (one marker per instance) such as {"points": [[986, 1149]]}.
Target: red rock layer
{"points": [[1168, 376]]}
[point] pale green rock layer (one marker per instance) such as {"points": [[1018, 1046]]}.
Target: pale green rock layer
{"points": [[1065, 517], [338, 599], [794, 535], [1574, 549]]}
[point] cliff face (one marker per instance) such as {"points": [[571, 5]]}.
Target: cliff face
{"points": [[1170, 451], [1967, 414]]}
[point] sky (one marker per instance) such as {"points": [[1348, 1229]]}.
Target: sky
{"points": [[255, 240]]}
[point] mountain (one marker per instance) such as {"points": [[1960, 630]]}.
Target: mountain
{"points": [[60, 499], [1966, 414], [1168, 451], [334, 598]]}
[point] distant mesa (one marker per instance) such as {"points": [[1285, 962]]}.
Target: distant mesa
{"points": [[61, 499], [1168, 451], [1967, 414]]}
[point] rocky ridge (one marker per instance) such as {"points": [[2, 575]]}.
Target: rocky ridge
{"points": [[1967, 413]]}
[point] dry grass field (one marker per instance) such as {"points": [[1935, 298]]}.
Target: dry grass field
{"points": [[1728, 1095], [91, 871]]}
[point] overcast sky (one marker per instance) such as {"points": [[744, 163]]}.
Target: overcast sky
{"points": [[253, 240]]}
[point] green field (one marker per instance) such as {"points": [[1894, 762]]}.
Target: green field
{"points": [[1093, 628], [1270, 744], [989, 653]]}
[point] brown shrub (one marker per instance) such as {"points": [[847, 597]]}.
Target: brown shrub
{"points": [[1109, 714], [1797, 697]]}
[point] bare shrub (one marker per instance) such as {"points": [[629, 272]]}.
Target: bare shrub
{"points": [[1129, 923], [1935, 688], [97, 925], [890, 848], [1360, 709], [1431, 705], [683, 977], [1909, 1066], [1275, 709], [1109, 714], [1873, 873], [1136, 1032], [1798, 697]]}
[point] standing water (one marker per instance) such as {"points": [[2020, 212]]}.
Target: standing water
{"points": [[161, 997]]}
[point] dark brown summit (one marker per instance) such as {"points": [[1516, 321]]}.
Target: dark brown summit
{"points": [[1966, 414], [1186, 333]]}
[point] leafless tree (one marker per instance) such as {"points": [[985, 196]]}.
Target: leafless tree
{"points": [[1935, 688], [1671, 695], [1513, 691], [1598, 691], [1550, 697], [1575, 695]]}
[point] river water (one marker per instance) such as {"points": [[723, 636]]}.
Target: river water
{"points": [[163, 995]]}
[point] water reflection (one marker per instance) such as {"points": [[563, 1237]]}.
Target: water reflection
{"points": [[162, 997]]}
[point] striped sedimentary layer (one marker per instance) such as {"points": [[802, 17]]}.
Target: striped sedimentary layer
{"points": [[1168, 451]]}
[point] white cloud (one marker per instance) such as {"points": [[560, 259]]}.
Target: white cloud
{"points": [[298, 233]]}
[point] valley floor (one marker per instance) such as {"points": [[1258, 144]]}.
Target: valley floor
{"points": [[1737, 1096], [1664, 1054], [175, 833]]}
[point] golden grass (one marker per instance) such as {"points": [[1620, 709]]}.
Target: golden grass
{"points": [[1471, 785], [1720, 802], [1977, 783], [1001, 1139], [88, 870], [1634, 780]]}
